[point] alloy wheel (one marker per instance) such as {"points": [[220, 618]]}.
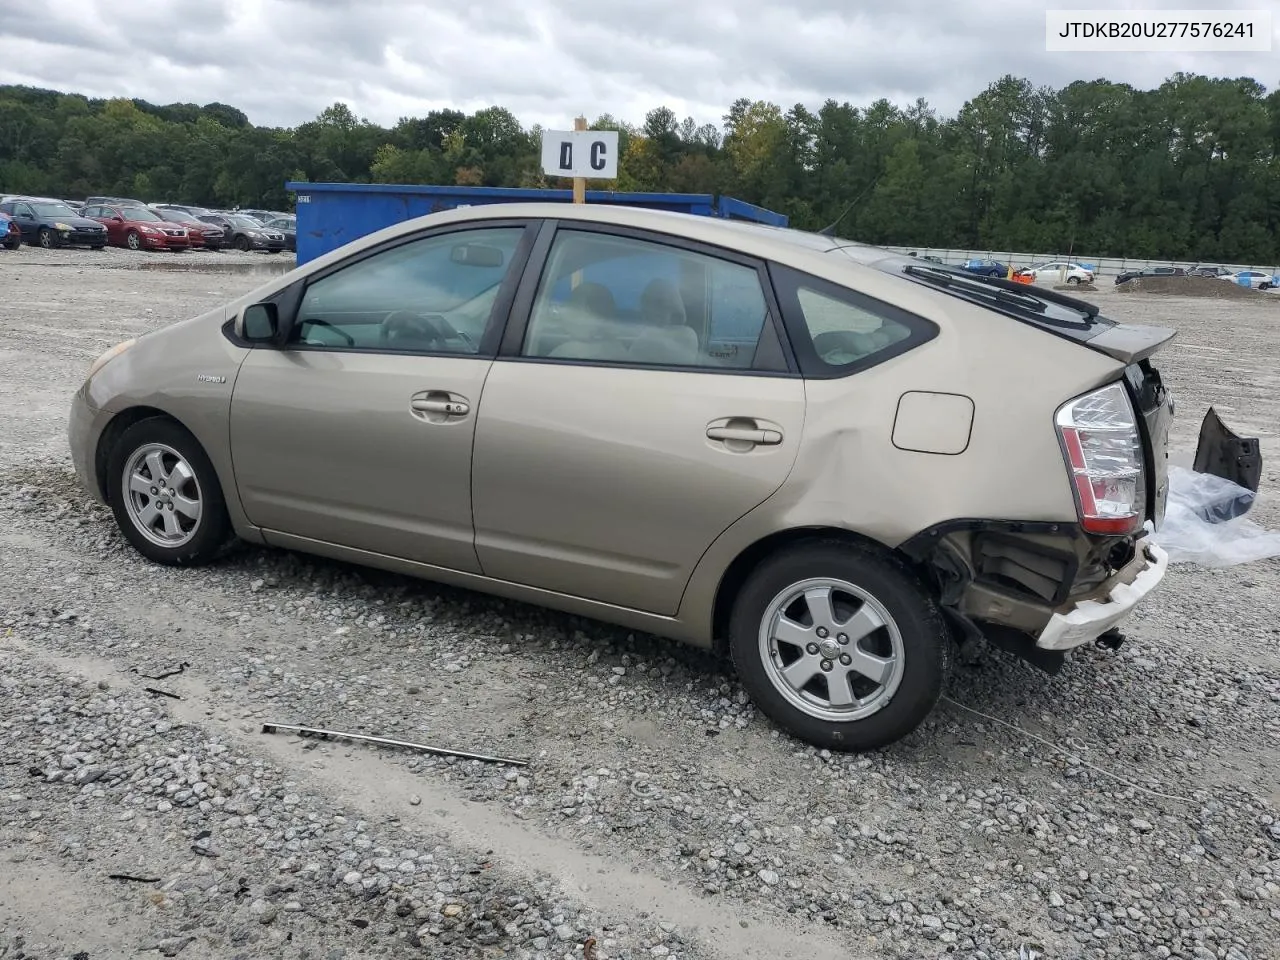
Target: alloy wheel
{"points": [[831, 649], [162, 495]]}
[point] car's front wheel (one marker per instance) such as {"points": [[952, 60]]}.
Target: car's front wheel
{"points": [[165, 494], [46, 238], [133, 240], [243, 244], [840, 644], [1073, 280]]}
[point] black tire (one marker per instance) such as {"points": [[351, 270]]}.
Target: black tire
{"points": [[212, 529], [46, 238], [925, 641], [133, 240], [242, 244], [1073, 280], [98, 246]]}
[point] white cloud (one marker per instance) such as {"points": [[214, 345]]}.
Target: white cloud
{"points": [[282, 61]]}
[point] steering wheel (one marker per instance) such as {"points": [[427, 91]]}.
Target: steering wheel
{"points": [[404, 324]]}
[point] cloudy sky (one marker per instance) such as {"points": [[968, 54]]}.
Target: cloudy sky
{"points": [[282, 61]]}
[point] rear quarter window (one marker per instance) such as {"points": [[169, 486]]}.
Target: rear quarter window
{"points": [[836, 331]]}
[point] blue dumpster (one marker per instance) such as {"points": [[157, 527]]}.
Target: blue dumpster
{"points": [[331, 214]]}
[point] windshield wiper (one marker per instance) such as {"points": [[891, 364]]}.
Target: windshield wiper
{"points": [[1006, 295]]}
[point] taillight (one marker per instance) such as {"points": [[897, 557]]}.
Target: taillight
{"points": [[1103, 449]]}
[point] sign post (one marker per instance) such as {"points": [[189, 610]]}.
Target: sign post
{"points": [[581, 154], [580, 183]]}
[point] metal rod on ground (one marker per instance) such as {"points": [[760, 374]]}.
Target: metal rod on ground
{"points": [[580, 183], [440, 751]]}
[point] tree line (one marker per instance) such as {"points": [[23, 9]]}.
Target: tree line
{"points": [[1187, 171]]}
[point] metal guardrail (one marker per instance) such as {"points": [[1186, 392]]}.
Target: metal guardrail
{"points": [[1102, 266]]}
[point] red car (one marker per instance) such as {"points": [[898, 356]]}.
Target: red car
{"points": [[206, 236], [138, 228]]}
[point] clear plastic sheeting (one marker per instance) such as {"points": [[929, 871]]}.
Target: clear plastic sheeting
{"points": [[1204, 522]]}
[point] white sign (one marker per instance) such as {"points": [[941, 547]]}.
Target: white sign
{"points": [[592, 154]]}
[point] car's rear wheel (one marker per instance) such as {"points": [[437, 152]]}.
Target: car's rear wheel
{"points": [[46, 238], [840, 644], [165, 494], [132, 240]]}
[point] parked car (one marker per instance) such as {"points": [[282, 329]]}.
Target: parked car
{"points": [[288, 226], [747, 438], [245, 233], [139, 228], [262, 216], [113, 201], [1128, 275], [184, 208], [986, 268], [10, 233], [1251, 278], [203, 236], [51, 223], [1055, 269], [1203, 271]]}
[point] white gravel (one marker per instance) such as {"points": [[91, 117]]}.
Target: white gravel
{"points": [[659, 813]]}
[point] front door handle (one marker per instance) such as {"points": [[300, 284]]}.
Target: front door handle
{"points": [[438, 406], [453, 408], [744, 433]]}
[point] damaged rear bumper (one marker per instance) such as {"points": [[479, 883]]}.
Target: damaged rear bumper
{"points": [[1088, 619]]}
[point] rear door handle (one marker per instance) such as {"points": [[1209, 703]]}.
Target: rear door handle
{"points": [[746, 435], [740, 431]]}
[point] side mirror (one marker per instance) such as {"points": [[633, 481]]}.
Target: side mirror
{"points": [[260, 323]]}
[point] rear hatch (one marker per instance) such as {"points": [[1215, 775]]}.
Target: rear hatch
{"points": [[1070, 318]]}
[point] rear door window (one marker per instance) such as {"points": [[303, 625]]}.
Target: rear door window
{"points": [[626, 300]]}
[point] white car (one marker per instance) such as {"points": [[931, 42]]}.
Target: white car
{"points": [[1054, 271], [1252, 278]]}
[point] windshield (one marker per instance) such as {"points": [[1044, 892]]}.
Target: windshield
{"points": [[53, 210], [245, 223], [177, 216], [138, 213]]}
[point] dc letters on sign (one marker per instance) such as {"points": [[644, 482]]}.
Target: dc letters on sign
{"points": [[592, 154]]}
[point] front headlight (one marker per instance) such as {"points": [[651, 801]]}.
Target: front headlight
{"points": [[110, 355], [62, 226]]}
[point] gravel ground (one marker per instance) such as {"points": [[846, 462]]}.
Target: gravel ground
{"points": [[659, 814]]}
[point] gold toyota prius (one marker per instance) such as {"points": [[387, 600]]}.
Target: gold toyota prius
{"points": [[832, 462]]}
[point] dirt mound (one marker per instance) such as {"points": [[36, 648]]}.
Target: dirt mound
{"points": [[1076, 287], [1192, 287]]}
